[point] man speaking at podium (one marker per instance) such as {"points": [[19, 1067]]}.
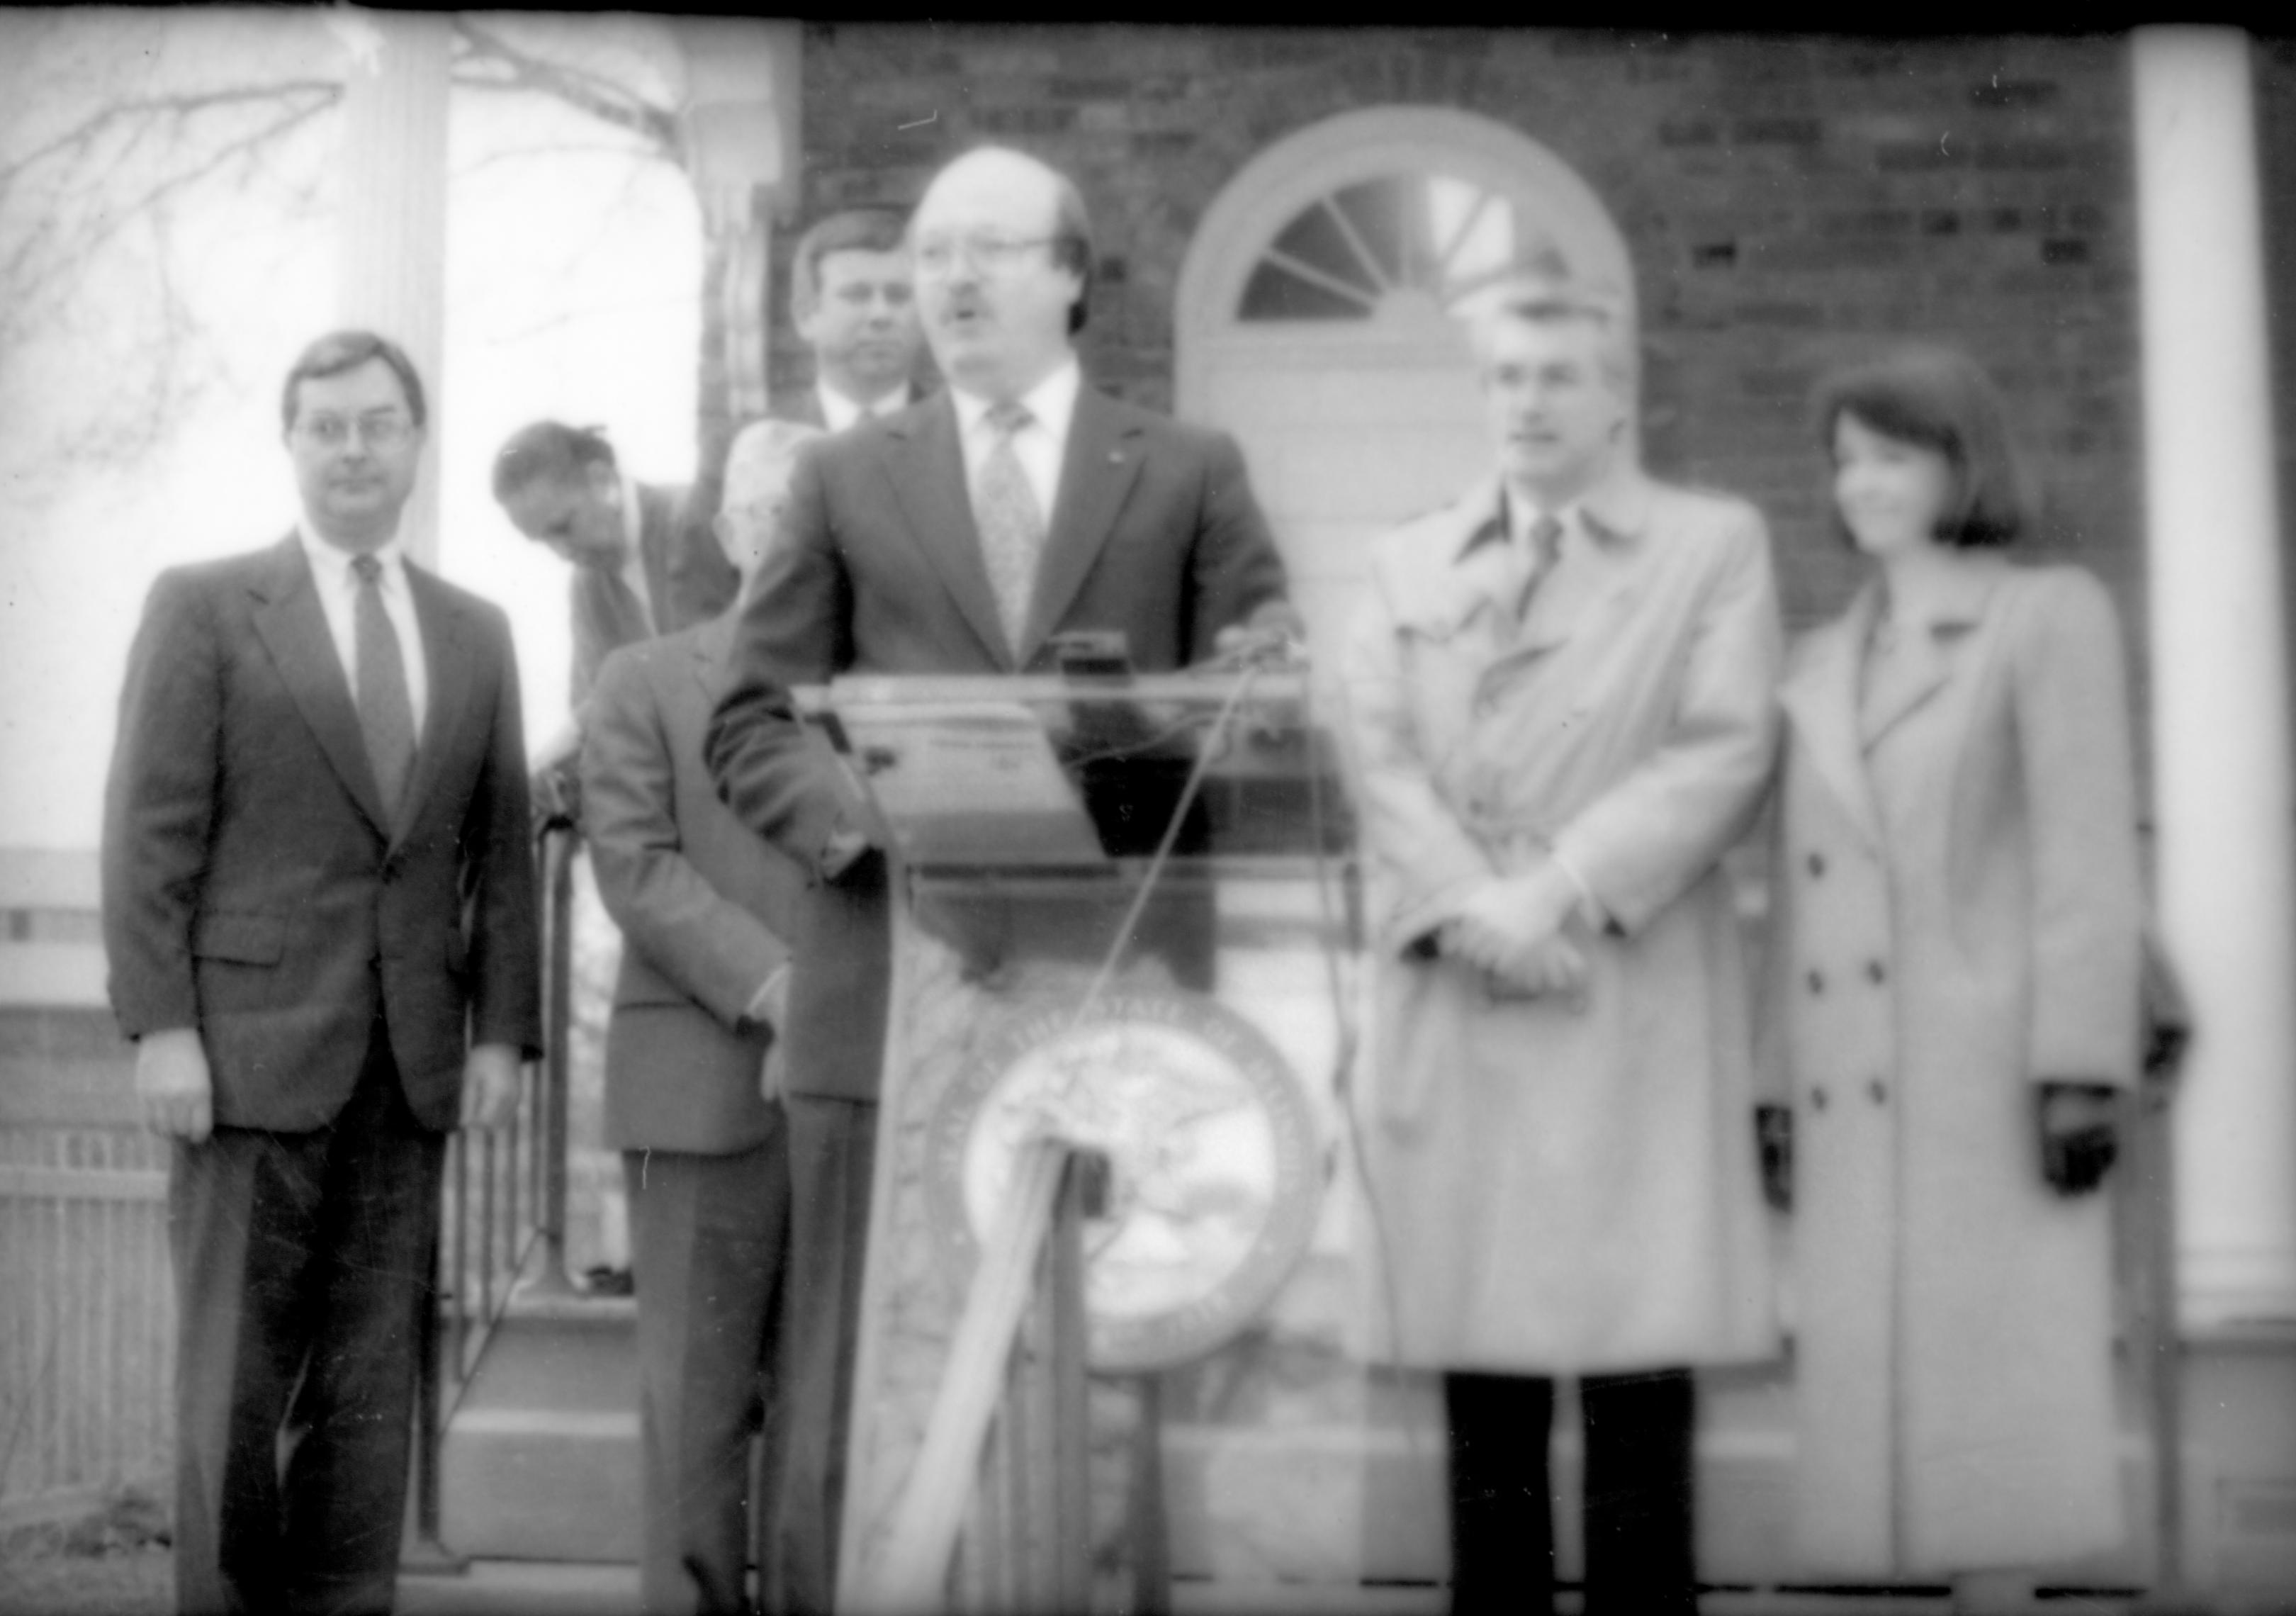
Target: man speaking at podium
{"points": [[958, 536]]}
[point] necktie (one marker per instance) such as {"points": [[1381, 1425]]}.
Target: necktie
{"points": [[1545, 547], [1012, 527], [385, 713], [627, 622]]}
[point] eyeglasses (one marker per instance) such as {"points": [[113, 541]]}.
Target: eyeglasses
{"points": [[382, 431], [989, 253]]}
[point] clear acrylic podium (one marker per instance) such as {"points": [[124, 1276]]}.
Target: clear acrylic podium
{"points": [[1125, 953]]}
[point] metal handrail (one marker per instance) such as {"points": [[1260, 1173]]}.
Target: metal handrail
{"points": [[503, 1207]]}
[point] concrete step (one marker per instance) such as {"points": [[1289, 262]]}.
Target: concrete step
{"points": [[541, 1459], [510, 1588]]}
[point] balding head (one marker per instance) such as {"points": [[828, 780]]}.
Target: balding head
{"points": [[1004, 262]]}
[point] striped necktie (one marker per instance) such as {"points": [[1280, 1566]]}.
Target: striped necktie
{"points": [[1011, 524], [386, 714]]}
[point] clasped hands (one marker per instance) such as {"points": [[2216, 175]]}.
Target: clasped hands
{"points": [[1511, 928]]}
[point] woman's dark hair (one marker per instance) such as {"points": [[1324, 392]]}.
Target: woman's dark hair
{"points": [[1938, 398], [551, 449]]}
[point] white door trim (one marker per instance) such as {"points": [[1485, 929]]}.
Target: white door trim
{"points": [[1364, 145]]}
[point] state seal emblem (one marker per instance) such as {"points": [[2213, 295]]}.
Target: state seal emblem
{"points": [[1215, 1175]]}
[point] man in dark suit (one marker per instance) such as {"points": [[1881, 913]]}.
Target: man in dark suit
{"points": [[318, 908], [957, 537], [852, 300], [705, 908], [645, 559]]}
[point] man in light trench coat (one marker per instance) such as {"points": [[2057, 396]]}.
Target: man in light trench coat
{"points": [[1560, 698]]}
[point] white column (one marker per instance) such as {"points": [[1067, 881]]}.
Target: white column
{"points": [[2220, 713], [393, 272]]}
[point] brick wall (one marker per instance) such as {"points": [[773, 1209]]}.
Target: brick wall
{"points": [[1790, 203]]}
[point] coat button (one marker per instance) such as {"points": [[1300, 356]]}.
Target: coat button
{"points": [[1874, 974], [1817, 863], [1878, 1090], [1817, 1099], [1818, 982]]}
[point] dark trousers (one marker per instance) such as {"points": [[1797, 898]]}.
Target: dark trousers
{"points": [[708, 1239], [300, 1261], [1637, 1493], [832, 1147]]}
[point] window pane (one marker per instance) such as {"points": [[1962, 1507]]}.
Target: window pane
{"points": [[1427, 232], [1275, 293], [1388, 215], [1314, 240]]}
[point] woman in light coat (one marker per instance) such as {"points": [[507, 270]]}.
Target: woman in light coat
{"points": [[1561, 701], [1952, 1005]]}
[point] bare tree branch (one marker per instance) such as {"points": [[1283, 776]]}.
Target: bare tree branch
{"points": [[138, 115], [489, 62]]}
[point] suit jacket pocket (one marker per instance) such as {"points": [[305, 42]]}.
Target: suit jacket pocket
{"points": [[247, 940]]}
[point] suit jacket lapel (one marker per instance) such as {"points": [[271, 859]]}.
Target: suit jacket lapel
{"points": [[1097, 471], [926, 465], [1927, 663], [294, 626], [453, 678], [1820, 698]]}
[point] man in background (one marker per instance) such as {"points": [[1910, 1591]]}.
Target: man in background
{"points": [[706, 911], [318, 908], [644, 557], [852, 300]]}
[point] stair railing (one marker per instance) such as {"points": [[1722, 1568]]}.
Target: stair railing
{"points": [[502, 1228]]}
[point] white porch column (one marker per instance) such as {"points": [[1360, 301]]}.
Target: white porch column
{"points": [[391, 277], [2226, 813], [740, 119]]}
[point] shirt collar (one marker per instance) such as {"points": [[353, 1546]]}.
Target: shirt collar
{"points": [[332, 563], [633, 524], [1612, 513], [1050, 403], [1504, 513], [837, 412]]}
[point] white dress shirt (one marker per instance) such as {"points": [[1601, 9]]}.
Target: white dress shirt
{"points": [[633, 568], [339, 588], [1038, 446], [837, 412]]}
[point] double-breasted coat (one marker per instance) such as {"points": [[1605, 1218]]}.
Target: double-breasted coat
{"points": [[1955, 916], [1557, 1187]]}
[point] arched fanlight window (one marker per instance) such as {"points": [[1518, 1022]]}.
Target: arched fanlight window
{"points": [[1425, 237]]}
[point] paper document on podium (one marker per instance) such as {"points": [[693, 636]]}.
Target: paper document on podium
{"points": [[969, 783]]}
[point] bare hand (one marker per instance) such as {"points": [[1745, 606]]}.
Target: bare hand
{"points": [[1273, 635], [490, 1086], [1504, 924], [174, 1086]]}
